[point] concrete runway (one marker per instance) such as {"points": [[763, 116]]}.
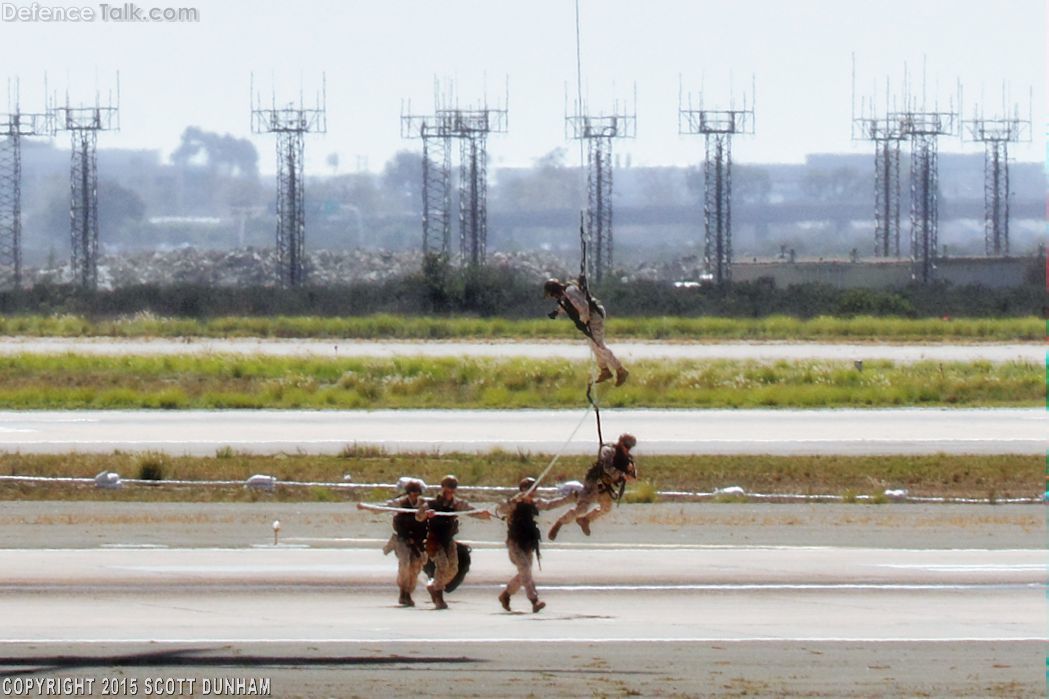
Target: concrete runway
{"points": [[692, 621], [628, 351], [837, 431]]}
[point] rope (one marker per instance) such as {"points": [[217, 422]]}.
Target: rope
{"points": [[579, 88], [557, 455], [597, 412], [385, 508]]}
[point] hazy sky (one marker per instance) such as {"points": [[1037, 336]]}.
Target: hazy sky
{"points": [[378, 52]]}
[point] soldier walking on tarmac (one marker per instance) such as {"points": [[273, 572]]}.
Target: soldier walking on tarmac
{"points": [[574, 300], [604, 483], [522, 539], [440, 537], [408, 540]]}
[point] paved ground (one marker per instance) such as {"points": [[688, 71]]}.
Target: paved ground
{"points": [[838, 431], [663, 600], [764, 351]]}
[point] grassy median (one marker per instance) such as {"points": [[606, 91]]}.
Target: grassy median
{"points": [[38, 381], [393, 327], [940, 475]]}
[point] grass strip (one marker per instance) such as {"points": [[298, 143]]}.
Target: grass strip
{"points": [[387, 327], [938, 475], [43, 381]]}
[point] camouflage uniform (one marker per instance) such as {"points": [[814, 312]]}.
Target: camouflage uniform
{"points": [[522, 540], [440, 539], [602, 480], [590, 315], [407, 542]]}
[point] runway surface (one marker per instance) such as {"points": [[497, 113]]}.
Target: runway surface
{"points": [[770, 351], [838, 431], [646, 621], [663, 600]]}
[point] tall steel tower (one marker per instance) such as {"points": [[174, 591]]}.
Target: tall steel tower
{"points": [[14, 125], [598, 131], [437, 177], [470, 127], [924, 127], [885, 130], [996, 133], [717, 126], [84, 122], [290, 123]]}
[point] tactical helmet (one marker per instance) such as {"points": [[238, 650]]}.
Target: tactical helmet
{"points": [[628, 440], [525, 484], [552, 287], [450, 481], [414, 485]]}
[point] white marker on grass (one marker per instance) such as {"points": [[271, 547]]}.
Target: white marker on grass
{"points": [[276, 530]]}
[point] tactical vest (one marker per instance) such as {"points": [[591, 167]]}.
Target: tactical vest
{"points": [[522, 529], [411, 530], [571, 312], [443, 529]]}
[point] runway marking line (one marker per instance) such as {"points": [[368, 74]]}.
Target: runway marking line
{"points": [[532, 639]]}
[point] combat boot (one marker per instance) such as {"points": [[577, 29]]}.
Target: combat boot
{"points": [[605, 375], [621, 376], [584, 524], [504, 599], [553, 531], [537, 605], [406, 599]]}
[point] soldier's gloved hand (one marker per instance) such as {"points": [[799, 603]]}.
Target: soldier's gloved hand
{"points": [[552, 315]]}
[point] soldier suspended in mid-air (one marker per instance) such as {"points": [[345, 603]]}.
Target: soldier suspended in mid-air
{"points": [[574, 300], [522, 539], [440, 538], [604, 483]]}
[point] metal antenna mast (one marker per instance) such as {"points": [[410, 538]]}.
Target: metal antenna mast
{"points": [[14, 125], [923, 126], [84, 122], [598, 131], [886, 131], [290, 122], [437, 178], [996, 133], [470, 127], [717, 126]]}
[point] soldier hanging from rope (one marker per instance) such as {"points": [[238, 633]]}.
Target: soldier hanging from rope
{"points": [[604, 483], [440, 538], [522, 539], [408, 540], [574, 300]]}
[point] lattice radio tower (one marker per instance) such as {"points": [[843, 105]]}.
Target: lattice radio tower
{"points": [[717, 126], [470, 126], [886, 131], [14, 125], [598, 131], [436, 136], [84, 122], [290, 122], [923, 126], [996, 133]]}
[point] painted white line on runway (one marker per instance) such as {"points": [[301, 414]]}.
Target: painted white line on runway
{"points": [[662, 440], [968, 567], [533, 639], [560, 546], [781, 586]]}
